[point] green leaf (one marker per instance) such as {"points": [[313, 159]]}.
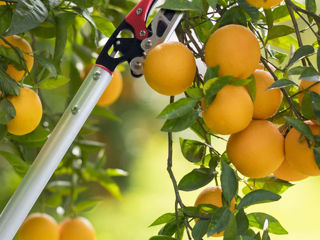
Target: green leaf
{"points": [[195, 93], [257, 219], [310, 74], [231, 229], [279, 31], [296, 70], [178, 109], [301, 127], [242, 222], [280, 12], [7, 111], [86, 205], [40, 134], [316, 152], [116, 172], [229, 182], [28, 14], [183, 5], [302, 52], [270, 183], [159, 237], [6, 14], [3, 131], [234, 15], [181, 123], [47, 64], [198, 127], [315, 101], [282, 83], [197, 178], [19, 166], [213, 3], [306, 106], [8, 85], [311, 6], [200, 229], [104, 25], [90, 145], [212, 72], [165, 218], [213, 86], [52, 83], [252, 89], [252, 11], [219, 221], [192, 150], [318, 59], [258, 196], [105, 113]]}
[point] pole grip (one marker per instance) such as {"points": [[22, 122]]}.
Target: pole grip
{"points": [[53, 151]]}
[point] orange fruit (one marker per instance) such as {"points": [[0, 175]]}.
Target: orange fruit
{"points": [[266, 4], [39, 226], [235, 49], [170, 68], [287, 173], [261, 67], [26, 50], [213, 196], [28, 112], [230, 112], [258, 150], [266, 102], [298, 154], [76, 229], [114, 89]]}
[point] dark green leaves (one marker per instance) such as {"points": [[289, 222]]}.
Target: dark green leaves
{"points": [[7, 111], [302, 52], [231, 229], [258, 196], [229, 182], [242, 222], [301, 127], [192, 150], [279, 31], [165, 218], [219, 221], [51, 83], [178, 108], [183, 5], [8, 85], [282, 83], [20, 166], [316, 152], [315, 102], [181, 123], [271, 184], [213, 86], [200, 229], [252, 11], [5, 13], [197, 178], [163, 237], [28, 14], [258, 219]]}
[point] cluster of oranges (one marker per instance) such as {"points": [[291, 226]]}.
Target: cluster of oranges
{"points": [[42, 226]]}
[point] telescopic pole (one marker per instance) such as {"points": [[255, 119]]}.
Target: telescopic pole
{"points": [[53, 151]]}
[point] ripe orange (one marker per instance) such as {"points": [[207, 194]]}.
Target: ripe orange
{"points": [[235, 49], [258, 150], [261, 67], [287, 173], [28, 112], [170, 68], [298, 154], [213, 196], [114, 89], [76, 229], [230, 112], [26, 50], [267, 102], [266, 4], [39, 226]]}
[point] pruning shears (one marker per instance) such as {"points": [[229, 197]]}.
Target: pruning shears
{"points": [[117, 50]]}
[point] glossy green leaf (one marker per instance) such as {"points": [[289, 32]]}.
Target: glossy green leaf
{"points": [[306, 106], [301, 127], [8, 85], [282, 83], [3, 131], [181, 123], [52, 83], [19, 166], [193, 151], [253, 12], [213, 86], [258, 196], [7, 111], [5, 13], [105, 113], [234, 15], [178, 109], [315, 101], [212, 72], [279, 31], [200, 229], [219, 221], [195, 93], [310, 74], [40, 134], [231, 229], [47, 64], [213, 3], [165, 218], [318, 60], [86, 205], [105, 26], [229, 182], [183, 5], [252, 89], [197, 178], [28, 14], [257, 219], [302, 52], [242, 222]]}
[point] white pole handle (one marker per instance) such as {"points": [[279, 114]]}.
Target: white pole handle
{"points": [[53, 151]]}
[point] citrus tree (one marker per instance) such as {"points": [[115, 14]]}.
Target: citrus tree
{"points": [[245, 72]]}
